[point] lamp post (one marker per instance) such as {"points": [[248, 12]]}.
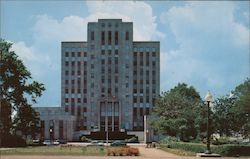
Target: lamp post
{"points": [[208, 99]]}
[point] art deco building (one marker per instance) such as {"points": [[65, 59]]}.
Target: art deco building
{"points": [[109, 79]]}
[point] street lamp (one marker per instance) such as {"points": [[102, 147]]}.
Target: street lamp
{"points": [[208, 99]]}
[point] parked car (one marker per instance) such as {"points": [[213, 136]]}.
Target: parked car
{"points": [[47, 142], [56, 142], [62, 141], [96, 143], [118, 143]]}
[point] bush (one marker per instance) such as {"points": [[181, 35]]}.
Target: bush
{"points": [[85, 139], [224, 140], [233, 150], [224, 150], [123, 151], [9, 140]]}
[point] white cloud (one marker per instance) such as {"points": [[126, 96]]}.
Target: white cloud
{"points": [[44, 55], [213, 47]]}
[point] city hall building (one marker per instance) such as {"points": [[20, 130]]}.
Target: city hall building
{"points": [[107, 82]]}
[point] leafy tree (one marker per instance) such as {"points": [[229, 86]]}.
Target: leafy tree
{"points": [[16, 86], [224, 118], [176, 110], [27, 121], [242, 107]]}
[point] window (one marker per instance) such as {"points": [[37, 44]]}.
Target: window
{"points": [[103, 89], [66, 109], [103, 37], [135, 99], [92, 35], [66, 100], [103, 79], [127, 35], [116, 69], [109, 37], [84, 100], [141, 90], [116, 60], [67, 54], [78, 73], [66, 81], [66, 73], [153, 54], [72, 63], [153, 63], [79, 54], [66, 63], [85, 54], [103, 52], [73, 73], [72, 91], [135, 91], [116, 89], [116, 37], [103, 61], [78, 100], [116, 52], [92, 66], [72, 110], [116, 79], [73, 54]]}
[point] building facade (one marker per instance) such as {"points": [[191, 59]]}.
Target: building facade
{"points": [[109, 81]]}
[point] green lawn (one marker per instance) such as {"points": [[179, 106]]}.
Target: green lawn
{"points": [[57, 150]]}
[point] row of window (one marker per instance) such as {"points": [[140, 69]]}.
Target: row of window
{"points": [[76, 54], [84, 109], [109, 34], [84, 49], [140, 99], [141, 91], [75, 100]]}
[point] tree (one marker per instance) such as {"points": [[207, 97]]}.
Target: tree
{"points": [[242, 107], [16, 86], [27, 121], [176, 110], [224, 118]]}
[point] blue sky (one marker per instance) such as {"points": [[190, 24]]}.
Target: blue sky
{"points": [[204, 44]]}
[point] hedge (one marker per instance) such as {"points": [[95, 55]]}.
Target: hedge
{"points": [[224, 150], [9, 140]]}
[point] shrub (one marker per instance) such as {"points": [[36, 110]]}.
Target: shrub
{"points": [[9, 140], [233, 150], [85, 139], [123, 151], [224, 150]]}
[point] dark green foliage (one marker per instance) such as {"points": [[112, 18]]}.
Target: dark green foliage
{"points": [[224, 150], [16, 87], [9, 140], [175, 112]]}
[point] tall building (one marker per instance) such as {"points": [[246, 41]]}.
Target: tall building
{"points": [[109, 79]]}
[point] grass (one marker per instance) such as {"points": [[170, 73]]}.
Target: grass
{"points": [[57, 150], [178, 151]]}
